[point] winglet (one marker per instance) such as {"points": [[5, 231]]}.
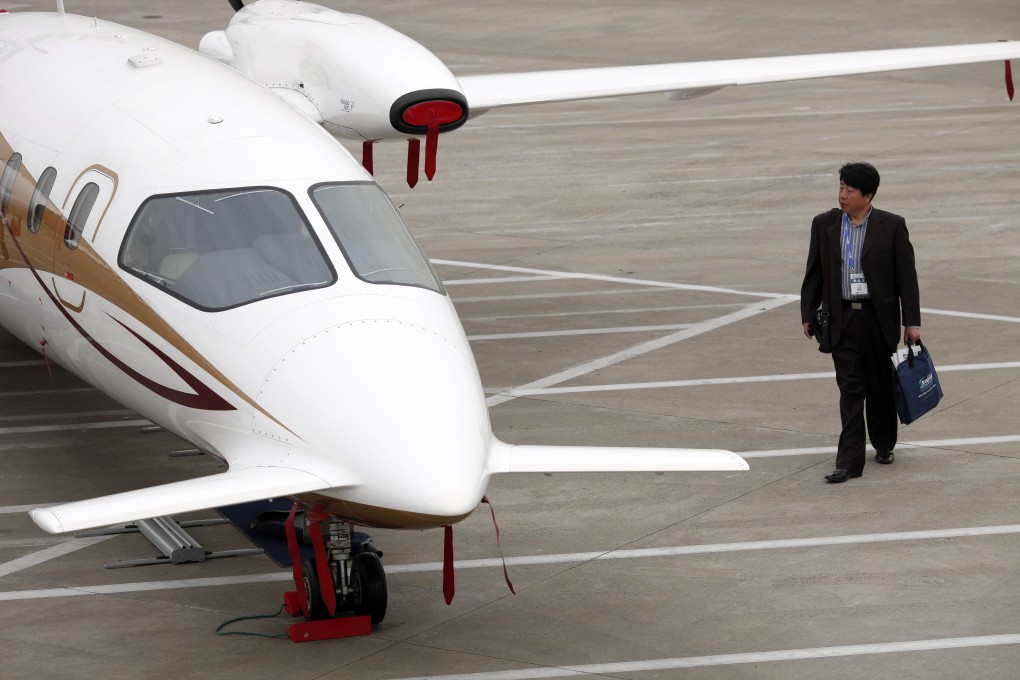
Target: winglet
{"points": [[227, 488]]}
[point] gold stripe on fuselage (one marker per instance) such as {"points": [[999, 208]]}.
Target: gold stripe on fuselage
{"points": [[43, 250]]}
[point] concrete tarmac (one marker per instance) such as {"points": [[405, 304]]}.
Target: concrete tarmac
{"points": [[628, 272]]}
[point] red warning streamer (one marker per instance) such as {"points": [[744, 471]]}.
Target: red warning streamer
{"points": [[431, 148], [448, 588], [413, 154], [366, 157], [1009, 77], [506, 574]]}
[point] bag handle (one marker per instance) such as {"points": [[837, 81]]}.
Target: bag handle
{"points": [[910, 353]]}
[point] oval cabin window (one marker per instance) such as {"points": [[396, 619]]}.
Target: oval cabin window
{"points": [[40, 197], [7, 182]]}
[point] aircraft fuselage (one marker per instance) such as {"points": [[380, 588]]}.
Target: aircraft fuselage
{"points": [[190, 244]]}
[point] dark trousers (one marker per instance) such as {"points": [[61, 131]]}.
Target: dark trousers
{"points": [[865, 379]]}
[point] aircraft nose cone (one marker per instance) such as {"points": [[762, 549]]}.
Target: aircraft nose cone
{"points": [[450, 503], [397, 403]]}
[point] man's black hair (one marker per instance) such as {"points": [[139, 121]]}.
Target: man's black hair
{"points": [[861, 176]]}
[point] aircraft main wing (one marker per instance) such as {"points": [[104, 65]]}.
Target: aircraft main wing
{"points": [[227, 488], [686, 80], [524, 458]]}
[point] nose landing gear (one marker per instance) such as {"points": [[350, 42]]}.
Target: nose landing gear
{"points": [[342, 592]]}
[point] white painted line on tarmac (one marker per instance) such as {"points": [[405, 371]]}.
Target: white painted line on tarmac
{"points": [[527, 560], [47, 554], [75, 426], [595, 312], [566, 671], [550, 295], [712, 548], [579, 331], [14, 509], [971, 315], [24, 446], [60, 415], [613, 279], [720, 180], [747, 312], [36, 393], [550, 275], [920, 444], [542, 274], [528, 391], [503, 279], [146, 586], [30, 542]]}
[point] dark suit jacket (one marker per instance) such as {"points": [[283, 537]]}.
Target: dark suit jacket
{"points": [[887, 260]]}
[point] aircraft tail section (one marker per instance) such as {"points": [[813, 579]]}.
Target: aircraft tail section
{"points": [[227, 488], [519, 458]]}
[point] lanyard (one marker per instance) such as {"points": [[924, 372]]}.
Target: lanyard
{"points": [[849, 245]]}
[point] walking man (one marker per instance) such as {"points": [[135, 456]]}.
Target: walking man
{"points": [[865, 255]]}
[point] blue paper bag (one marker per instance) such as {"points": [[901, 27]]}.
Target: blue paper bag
{"points": [[916, 388]]}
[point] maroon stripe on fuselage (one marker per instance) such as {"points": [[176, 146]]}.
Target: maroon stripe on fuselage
{"points": [[204, 397]]}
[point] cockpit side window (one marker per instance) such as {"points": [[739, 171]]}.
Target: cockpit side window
{"points": [[221, 249], [372, 235]]}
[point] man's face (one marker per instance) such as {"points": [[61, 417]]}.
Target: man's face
{"points": [[852, 201]]}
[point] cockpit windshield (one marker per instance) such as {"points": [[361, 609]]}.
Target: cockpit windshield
{"points": [[372, 235], [221, 249]]}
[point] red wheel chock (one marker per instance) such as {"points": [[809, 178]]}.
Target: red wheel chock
{"points": [[294, 602]]}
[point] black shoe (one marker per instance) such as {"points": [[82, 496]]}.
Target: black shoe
{"points": [[841, 475], [884, 457]]}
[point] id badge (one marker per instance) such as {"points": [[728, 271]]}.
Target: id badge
{"points": [[858, 286]]}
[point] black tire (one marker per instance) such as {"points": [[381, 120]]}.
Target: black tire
{"points": [[368, 586], [313, 593]]}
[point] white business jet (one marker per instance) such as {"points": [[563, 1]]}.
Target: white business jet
{"points": [[182, 230]]}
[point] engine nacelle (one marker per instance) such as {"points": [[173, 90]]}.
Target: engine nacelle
{"points": [[365, 80]]}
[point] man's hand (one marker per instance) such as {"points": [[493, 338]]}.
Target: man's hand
{"points": [[911, 336], [807, 330]]}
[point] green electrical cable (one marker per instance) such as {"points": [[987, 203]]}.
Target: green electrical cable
{"points": [[220, 631]]}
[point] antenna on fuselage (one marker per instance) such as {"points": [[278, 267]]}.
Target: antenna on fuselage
{"points": [[60, 6], [237, 5]]}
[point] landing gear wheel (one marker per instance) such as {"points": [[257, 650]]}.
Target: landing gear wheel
{"points": [[368, 586], [313, 593]]}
